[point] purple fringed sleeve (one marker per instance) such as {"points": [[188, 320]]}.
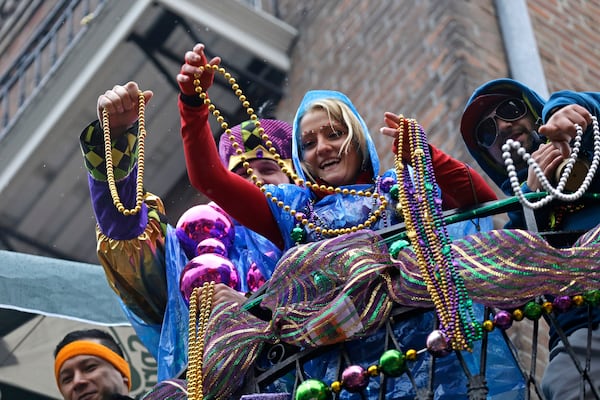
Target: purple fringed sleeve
{"points": [[112, 223]]}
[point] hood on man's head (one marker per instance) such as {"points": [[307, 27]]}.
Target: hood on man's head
{"points": [[488, 95], [481, 102], [248, 137]]}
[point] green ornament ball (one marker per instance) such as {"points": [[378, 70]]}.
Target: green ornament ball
{"points": [[533, 311], [392, 363], [313, 389], [395, 191]]}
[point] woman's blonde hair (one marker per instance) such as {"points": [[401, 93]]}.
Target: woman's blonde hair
{"points": [[338, 111]]}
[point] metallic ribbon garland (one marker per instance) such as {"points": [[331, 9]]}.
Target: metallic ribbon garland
{"points": [[344, 288]]}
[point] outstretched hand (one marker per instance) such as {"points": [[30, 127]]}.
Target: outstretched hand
{"points": [[122, 105], [548, 158], [195, 61], [560, 128], [392, 122]]}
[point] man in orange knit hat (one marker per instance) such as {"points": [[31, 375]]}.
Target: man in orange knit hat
{"points": [[89, 365]]}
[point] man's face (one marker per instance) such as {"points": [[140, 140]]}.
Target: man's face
{"points": [[510, 119], [266, 170], [86, 377]]}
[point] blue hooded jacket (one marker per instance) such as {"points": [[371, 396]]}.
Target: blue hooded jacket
{"points": [[336, 211], [487, 96], [479, 104], [333, 211]]}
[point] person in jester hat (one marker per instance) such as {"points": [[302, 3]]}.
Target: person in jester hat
{"points": [[144, 256], [333, 155]]}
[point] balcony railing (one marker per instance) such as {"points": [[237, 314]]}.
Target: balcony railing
{"points": [[41, 57]]}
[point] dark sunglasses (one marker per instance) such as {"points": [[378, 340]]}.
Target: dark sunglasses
{"points": [[486, 131]]}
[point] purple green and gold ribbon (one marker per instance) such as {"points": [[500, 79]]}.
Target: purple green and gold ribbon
{"points": [[344, 288]]}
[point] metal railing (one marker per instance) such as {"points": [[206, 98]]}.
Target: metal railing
{"points": [[40, 58], [285, 360]]}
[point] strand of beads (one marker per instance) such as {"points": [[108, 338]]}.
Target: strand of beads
{"points": [[354, 378], [394, 363], [300, 217], [110, 174], [313, 221], [196, 332], [420, 204], [554, 193]]}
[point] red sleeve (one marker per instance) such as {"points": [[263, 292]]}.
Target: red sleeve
{"points": [[241, 199], [461, 185]]}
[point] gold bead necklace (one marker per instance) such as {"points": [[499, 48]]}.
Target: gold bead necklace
{"points": [[110, 174], [300, 218], [433, 255], [196, 332]]}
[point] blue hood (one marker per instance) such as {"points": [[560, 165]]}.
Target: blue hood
{"points": [[309, 98], [477, 106]]}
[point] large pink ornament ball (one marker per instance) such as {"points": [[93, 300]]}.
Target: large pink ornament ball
{"points": [[202, 222], [204, 268]]}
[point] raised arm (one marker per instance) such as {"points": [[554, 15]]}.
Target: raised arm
{"points": [[241, 199], [563, 110], [460, 184], [130, 248]]}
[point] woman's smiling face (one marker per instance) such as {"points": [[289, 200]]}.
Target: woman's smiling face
{"points": [[321, 141]]}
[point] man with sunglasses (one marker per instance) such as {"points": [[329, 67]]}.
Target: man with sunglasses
{"points": [[500, 110], [505, 109]]}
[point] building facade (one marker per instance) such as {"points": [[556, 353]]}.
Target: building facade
{"points": [[420, 58]]}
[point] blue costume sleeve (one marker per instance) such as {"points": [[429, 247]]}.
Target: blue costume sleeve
{"points": [[589, 100]]}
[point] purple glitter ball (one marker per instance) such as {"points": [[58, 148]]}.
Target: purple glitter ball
{"points": [[354, 378], [503, 320], [562, 303]]}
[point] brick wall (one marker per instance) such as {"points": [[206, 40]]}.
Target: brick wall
{"points": [[419, 58], [424, 58], [568, 36]]}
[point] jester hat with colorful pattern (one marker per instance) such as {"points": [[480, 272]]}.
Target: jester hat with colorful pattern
{"points": [[248, 137]]}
